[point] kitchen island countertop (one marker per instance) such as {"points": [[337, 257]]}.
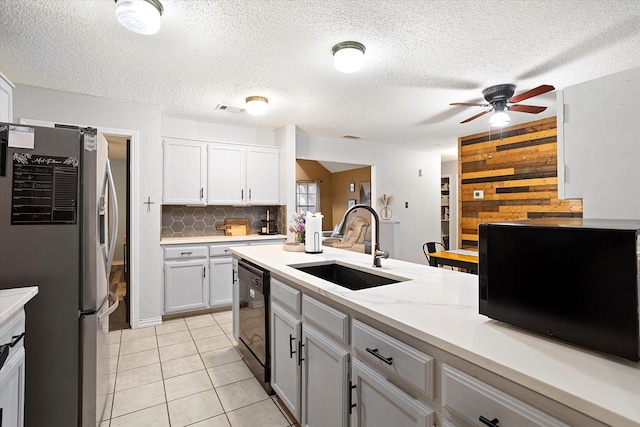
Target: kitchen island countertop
{"points": [[12, 300], [440, 307]]}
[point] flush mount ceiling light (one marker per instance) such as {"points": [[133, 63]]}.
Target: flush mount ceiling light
{"points": [[499, 119], [256, 105], [348, 57], [139, 16]]}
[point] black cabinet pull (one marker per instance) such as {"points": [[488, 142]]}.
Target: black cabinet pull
{"points": [[491, 423], [291, 350], [16, 339], [300, 359], [387, 360], [351, 404]]}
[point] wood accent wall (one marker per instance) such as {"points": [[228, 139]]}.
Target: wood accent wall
{"points": [[517, 169]]}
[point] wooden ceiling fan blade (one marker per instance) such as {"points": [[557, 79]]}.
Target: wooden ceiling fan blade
{"points": [[533, 109], [531, 93], [469, 104], [476, 116]]}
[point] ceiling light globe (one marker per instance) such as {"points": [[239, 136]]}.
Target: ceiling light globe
{"points": [[256, 105], [348, 57], [139, 16], [499, 119]]}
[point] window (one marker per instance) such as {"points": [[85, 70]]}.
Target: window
{"points": [[308, 196]]}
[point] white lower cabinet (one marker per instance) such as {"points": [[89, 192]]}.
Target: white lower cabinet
{"points": [[378, 403], [186, 286], [220, 280], [286, 333], [466, 399], [325, 382], [12, 372], [235, 290]]}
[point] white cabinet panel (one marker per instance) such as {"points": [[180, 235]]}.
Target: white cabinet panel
{"points": [[286, 331], [12, 390], [185, 285], [226, 174], [378, 403], [220, 279], [184, 173], [324, 380], [466, 399], [263, 175]]}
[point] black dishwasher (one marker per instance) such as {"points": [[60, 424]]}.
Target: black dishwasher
{"points": [[254, 320]]}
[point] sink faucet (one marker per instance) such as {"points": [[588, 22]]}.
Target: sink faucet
{"points": [[377, 253]]}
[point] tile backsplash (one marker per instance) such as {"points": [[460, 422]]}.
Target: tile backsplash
{"points": [[191, 221]]}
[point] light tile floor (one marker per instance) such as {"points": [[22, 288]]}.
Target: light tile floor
{"points": [[186, 372]]}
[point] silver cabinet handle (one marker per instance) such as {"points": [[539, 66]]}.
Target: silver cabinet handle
{"points": [[185, 253]]}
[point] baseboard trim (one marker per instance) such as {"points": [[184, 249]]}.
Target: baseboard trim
{"points": [[153, 321], [180, 315]]}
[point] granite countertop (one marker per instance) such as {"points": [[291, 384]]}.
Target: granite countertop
{"points": [[12, 300], [440, 306], [218, 239]]}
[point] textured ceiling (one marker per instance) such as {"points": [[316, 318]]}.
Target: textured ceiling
{"points": [[421, 56]]}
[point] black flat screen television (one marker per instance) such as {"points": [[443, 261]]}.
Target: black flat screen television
{"points": [[574, 280]]}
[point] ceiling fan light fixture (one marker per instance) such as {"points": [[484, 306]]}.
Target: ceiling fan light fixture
{"points": [[499, 119], [256, 105], [348, 57], [139, 16]]}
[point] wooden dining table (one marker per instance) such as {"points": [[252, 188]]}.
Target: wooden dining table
{"points": [[460, 258]]}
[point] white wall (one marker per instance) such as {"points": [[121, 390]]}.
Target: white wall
{"points": [[599, 143], [451, 169], [394, 172], [213, 132], [63, 107]]}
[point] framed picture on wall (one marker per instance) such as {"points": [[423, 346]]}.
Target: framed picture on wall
{"points": [[351, 202], [365, 193]]}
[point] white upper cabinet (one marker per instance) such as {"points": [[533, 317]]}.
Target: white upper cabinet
{"points": [[6, 99], [184, 174], [263, 175], [243, 175], [226, 174]]}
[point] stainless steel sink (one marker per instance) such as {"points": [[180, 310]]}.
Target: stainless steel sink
{"points": [[347, 277]]}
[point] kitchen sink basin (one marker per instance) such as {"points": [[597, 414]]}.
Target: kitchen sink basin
{"points": [[347, 277]]}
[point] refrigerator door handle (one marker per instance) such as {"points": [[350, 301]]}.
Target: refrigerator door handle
{"points": [[108, 182], [111, 309]]}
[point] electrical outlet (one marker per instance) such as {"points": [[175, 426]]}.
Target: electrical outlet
{"points": [[478, 194], [406, 204]]}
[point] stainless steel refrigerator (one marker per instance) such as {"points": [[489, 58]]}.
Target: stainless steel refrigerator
{"points": [[55, 192]]}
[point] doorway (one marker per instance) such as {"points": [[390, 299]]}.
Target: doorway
{"points": [[119, 283]]}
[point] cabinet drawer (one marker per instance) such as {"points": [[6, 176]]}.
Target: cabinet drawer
{"points": [[331, 320], [186, 252], [285, 295], [220, 250], [394, 357], [466, 398]]}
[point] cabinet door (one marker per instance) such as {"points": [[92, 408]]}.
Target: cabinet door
{"points": [[226, 174], [185, 285], [324, 380], [184, 173], [263, 175], [286, 330], [220, 280], [12, 391], [378, 403]]}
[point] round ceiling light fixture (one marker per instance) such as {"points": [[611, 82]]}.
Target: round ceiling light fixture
{"points": [[139, 16], [499, 119], [256, 105], [348, 57]]}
